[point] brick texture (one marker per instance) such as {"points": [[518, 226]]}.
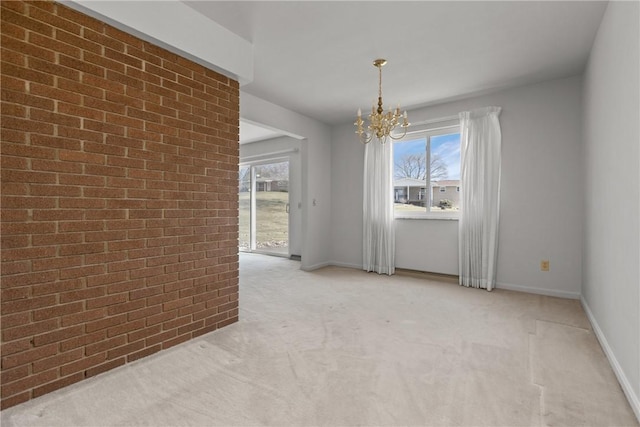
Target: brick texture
{"points": [[119, 198]]}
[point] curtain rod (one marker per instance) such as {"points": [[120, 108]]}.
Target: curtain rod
{"points": [[438, 120]]}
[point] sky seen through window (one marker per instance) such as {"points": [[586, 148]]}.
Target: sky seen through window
{"points": [[446, 146]]}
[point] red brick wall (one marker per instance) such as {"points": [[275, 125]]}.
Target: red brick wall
{"points": [[119, 199]]}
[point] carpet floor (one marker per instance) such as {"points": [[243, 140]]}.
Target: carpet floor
{"points": [[341, 347]]}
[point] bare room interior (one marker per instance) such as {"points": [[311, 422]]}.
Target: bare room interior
{"points": [[320, 213]]}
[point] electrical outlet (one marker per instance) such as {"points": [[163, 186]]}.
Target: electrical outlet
{"points": [[544, 265]]}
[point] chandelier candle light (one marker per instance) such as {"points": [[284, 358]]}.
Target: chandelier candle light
{"points": [[381, 124]]}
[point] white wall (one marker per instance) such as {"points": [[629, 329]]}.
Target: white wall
{"points": [[611, 129], [264, 150], [541, 209], [315, 155], [347, 174], [437, 253]]}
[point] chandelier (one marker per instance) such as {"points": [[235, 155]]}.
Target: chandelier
{"points": [[381, 124]]}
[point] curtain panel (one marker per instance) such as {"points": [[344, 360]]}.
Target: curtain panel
{"points": [[480, 146], [379, 241]]}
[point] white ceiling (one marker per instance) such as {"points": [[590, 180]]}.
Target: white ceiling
{"points": [[315, 57], [252, 132]]}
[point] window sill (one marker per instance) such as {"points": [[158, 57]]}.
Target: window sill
{"points": [[429, 217]]}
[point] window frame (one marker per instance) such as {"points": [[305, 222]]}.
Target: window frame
{"points": [[428, 131]]}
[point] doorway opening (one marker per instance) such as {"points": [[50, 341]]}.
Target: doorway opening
{"points": [[264, 209]]}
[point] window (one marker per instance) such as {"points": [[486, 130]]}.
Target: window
{"points": [[432, 153], [400, 196]]}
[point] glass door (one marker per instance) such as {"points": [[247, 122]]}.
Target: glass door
{"points": [[272, 207], [264, 207]]}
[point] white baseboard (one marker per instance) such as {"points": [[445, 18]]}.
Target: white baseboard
{"points": [[633, 399], [508, 286], [314, 266], [346, 265], [539, 291]]}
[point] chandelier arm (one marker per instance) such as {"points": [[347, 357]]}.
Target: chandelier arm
{"points": [[400, 136], [364, 138]]}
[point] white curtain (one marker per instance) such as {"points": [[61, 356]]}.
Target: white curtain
{"points": [[379, 240], [480, 142]]}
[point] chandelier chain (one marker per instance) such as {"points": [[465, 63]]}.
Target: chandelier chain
{"points": [[380, 110]]}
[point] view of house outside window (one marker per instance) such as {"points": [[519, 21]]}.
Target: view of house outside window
{"points": [[427, 173]]}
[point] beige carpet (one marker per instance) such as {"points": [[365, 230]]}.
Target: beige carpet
{"points": [[342, 347]]}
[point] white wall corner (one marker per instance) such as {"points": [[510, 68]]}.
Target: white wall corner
{"points": [[192, 35], [315, 266], [633, 399]]}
